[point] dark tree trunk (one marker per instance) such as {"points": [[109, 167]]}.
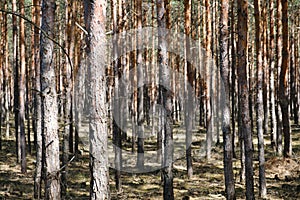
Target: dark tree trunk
{"points": [[140, 89], [165, 99], [293, 74], [245, 124], [227, 134], [233, 75], [283, 82], [117, 117], [16, 82], [189, 108], [67, 146], [1, 76], [297, 73]]}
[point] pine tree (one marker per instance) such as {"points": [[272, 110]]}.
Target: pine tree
{"points": [[95, 19], [227, 133], [245, 124], [49, 103]]}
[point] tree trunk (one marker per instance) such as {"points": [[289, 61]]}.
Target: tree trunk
{"points": [[16, 78], [134, 84], [95, 18], [78, 79], [265, 67], [49, 103], [165, 99], [22, 86], [251, 81], [140, 89], [227, 134], [233, 75], [6, 73], [207, 76], [189, 108], [116, 100], [278, 65], [293, 74], [272, 79], [259, 100], [283, 82], [297, 72], [37, 104], [67, 94], [1, 77], [245, 125]]}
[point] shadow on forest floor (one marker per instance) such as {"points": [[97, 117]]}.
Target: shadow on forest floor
{"points": [[283, 175]]}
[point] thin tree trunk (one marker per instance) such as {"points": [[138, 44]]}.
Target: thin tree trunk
{"points": [[1, 78], [78, 78], [278, 65], [28, 102], [117, 117], [293, 72], [259, 100], [116, 128], [32, 78], [189, 108], [272, 79], [201, 61], [67, 100], [6, 73], [283, 82], [297, 72], [245, 125], [134, 84], [22, 86], [233, 75], [264, 47], [207, 76], [251, 81], [140, 89], [227, 134], [37, 103], [16, 82], [165, 99]]}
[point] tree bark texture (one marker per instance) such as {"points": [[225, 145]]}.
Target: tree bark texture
{"points": [[245, 124], [227, 134], [95, 18], [49, 103]]}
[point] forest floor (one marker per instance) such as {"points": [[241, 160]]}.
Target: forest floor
{"points": [[283, 175]]}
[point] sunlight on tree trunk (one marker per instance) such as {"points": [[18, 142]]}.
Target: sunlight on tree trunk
{"points": [[95, 18]]}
